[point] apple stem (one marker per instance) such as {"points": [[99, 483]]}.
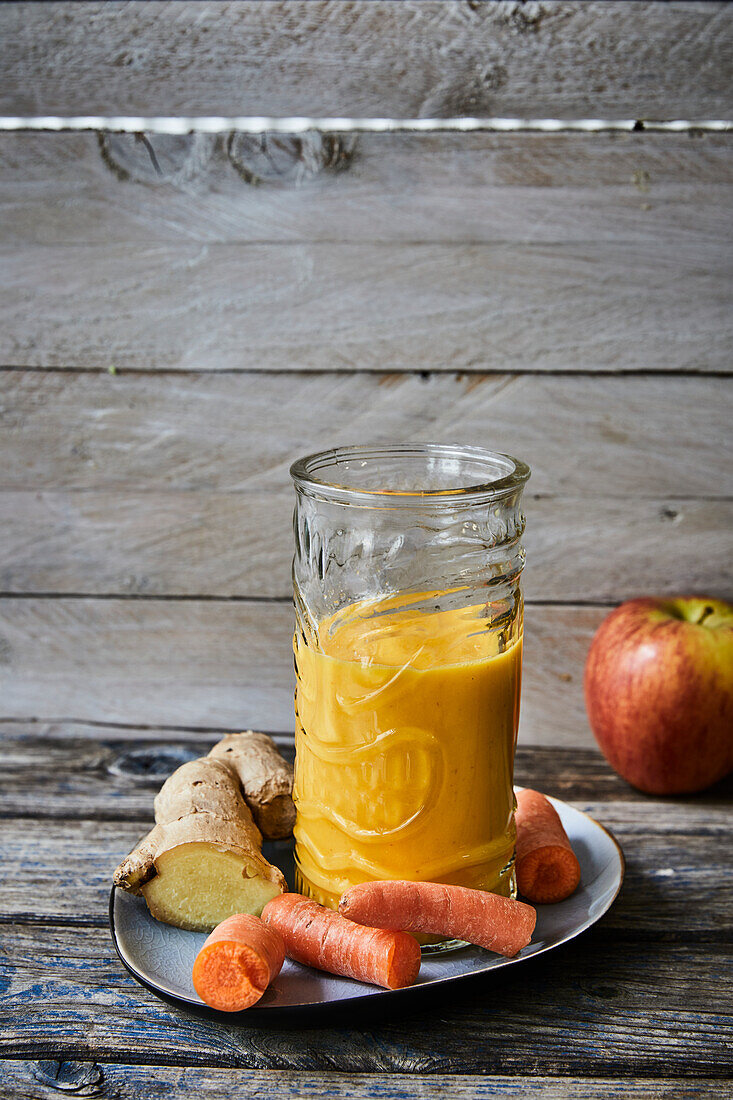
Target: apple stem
{"points": [[705, 612]]}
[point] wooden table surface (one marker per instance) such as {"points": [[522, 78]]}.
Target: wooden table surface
{"points": [[181, 317], [640, 1005]]}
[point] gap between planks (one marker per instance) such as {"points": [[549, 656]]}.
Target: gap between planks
{"points": [[325, 372], [277, 735]]}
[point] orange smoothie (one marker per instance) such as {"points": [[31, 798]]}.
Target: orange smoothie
{"points": [[406, 725]]}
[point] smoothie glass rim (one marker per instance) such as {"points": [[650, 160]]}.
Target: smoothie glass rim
{"points": [[504, 474]]}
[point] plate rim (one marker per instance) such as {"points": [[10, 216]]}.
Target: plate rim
{"points": [[262, 1012]]}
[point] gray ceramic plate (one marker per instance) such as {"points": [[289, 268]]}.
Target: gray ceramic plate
{"points": [[161, 957]]}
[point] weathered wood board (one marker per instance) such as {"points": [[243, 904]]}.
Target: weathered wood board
{"points": [[565, 298], [150, 485], [597, 437], [442, 252], [32, 1080], [198, 542], [662, 867], [203, 663], [525, 1021], [549, 189], [110, 773], [569, 306], [554, 59]]}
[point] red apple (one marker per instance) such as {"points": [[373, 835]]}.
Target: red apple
{"points": [[659, 692]]}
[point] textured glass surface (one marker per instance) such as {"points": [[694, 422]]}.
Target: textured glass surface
{"points": [[408, 656]]}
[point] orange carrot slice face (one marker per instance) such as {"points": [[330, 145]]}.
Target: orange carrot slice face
{"points": [[237, 963], [547, 867]]}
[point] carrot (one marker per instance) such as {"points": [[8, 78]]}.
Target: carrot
{"points": [[237, 963], [433, 908], [547, 867], [321, 938]]}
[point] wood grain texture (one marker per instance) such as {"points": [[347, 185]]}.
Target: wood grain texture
{"points": [[553, 59], [58, 189], [583, 1008], [541, 307], [38, 1081], [229, 664], [498, 261], [578, 1011], [673, 854], [673, 846], [595, 437], [208, 543], [112, 773]]}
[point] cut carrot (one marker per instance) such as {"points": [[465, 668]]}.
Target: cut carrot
{"points": [[321, 938], [433, 908], [237, 963], [547, 867]]}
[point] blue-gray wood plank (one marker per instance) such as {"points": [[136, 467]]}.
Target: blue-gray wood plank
{"points": [[28, 1080]]}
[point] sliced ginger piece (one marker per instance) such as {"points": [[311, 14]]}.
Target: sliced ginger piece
{"points": [[197, 886], [202, 861]]}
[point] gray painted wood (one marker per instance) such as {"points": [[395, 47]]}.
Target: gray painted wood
{"points": [[585, 1008], [112, 773], [229, 664], [548, 189], [633, 438], [553, 59], [503, 254], [13, 729], [208, 543], [25, 1080], [615, 306], [580, 1011]]}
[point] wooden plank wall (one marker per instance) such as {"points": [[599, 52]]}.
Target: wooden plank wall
{"points": [[181, 317], [420, 57]]}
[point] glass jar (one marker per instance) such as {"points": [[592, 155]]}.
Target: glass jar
{"points": [[408, 645]]}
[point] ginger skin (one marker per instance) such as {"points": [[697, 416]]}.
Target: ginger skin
{"points": [[267, 780]]}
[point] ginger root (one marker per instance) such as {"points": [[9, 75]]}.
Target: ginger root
{"points": [[202, 861], [267, 780]]}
